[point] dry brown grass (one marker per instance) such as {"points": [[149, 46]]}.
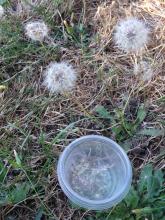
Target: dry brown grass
{"points": [[94, 87]]}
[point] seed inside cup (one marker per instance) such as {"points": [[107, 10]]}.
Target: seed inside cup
{"points": [[91, 176], [94, 172]]}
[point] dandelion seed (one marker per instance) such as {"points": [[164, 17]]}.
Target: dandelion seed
{"points": [[131, 35], [144, 71], [36, 30], [2, 11], [60, 77]]}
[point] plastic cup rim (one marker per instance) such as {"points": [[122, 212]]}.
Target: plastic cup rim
{"points": [[63, 181]]}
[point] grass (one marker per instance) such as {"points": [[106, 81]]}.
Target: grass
{"points": [[108, 100]]}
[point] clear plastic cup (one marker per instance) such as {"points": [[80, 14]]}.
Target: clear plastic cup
{"points": [[94, 172]]}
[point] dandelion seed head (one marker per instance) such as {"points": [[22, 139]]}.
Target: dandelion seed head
{"points": [[2, 11], [36, 30], [60, 77], [131, 35], [144, 71]]}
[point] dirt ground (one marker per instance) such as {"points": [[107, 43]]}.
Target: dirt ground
{"points": [[39, 125]]}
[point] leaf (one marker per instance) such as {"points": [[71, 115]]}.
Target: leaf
{"points": [[102, 112], [154, 132], [161, 99], [153, 187], [129, 127], [159, 204], [119, 212], [145, 174], [25, 140], [3, 172], [19, 193], [71, 31], [42, 138], [2, 2], [18, 161], [159, 175], [141, 114], [62, 134], [126, 145], [117, 130], [146, 210], [3, 198], [155, 184], [132, 198], [143, 211], [119, 133]]}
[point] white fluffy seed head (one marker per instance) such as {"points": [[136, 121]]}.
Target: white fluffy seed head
{"points": [[144, 71], [2, 11], [131, 35], [60, 77], [36, 30]]}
